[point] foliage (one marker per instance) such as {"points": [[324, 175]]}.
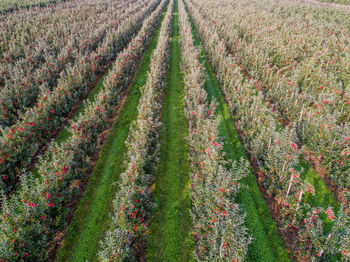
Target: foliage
{"points": [[303, 72], [275, 149], [37, 211], [126, 238], [217, 220], [20, 143]]}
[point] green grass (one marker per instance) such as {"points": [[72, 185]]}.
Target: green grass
{"points": [[170, 230], [91, 219], [267, 244], [323, 197]]}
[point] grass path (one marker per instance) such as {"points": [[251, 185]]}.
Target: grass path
{"points": [[170, 238], [267, 244], [92, 215]]}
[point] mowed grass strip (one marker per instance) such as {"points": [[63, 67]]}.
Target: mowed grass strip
{"points": [[170, 229], [267, 244], [91, 219]]}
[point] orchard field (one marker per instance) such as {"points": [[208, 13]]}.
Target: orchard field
{"points": [[175, 130]]}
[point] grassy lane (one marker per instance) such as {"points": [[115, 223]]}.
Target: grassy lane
{"points": [[170, 238], [91, 218], [267, 244]]}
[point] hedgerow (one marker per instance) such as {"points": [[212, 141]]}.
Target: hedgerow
{"points": [[20, 143], [274, 148], [32, 217], [218, 227], [127, 235]]}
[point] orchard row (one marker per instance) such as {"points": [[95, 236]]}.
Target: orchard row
{"points": [[282, 76]]}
